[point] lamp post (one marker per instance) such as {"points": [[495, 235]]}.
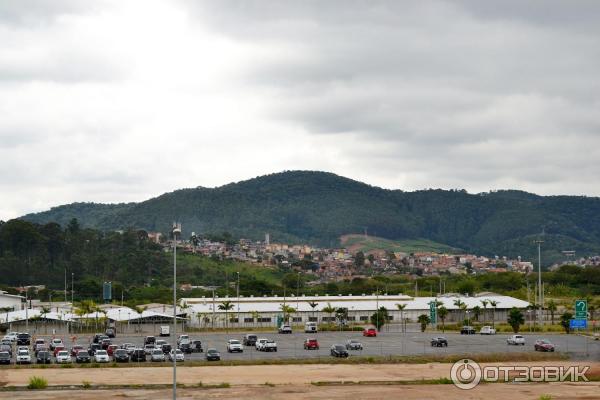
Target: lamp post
{"points": [[298, 295], [540, 302], [238, 298], [176, 231]]}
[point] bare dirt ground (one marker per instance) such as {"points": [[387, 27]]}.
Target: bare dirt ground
{"points": [[291, 381]]}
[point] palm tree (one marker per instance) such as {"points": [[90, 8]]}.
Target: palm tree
{"points": [[494, 303], [287, 310], [484, 303], [256, 316], [45, 310], [476, 313], [312, 305], [552, 307], [423, 320], [226, 306], [329, 309], [443, 313], [459, 304], [401, 308]]}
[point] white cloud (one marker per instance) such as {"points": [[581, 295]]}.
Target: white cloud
{"points": [[121, 101]]}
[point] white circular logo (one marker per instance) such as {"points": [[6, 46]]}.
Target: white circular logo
{"points": [[465, 374]]}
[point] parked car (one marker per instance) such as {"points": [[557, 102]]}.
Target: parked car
{"points": [[138, 355], [43, 357], [353, 344], [183, 339], [23, 357], [105, 343], [250, 339], [266, 345], [55, 342], [149, 340], [94, 347], [149, 348], [197, 346], [23, 339], [467, 330], [339, 350], [157, 355], [284, 328], [439, 342], [120, 355], [129, 347], [58, 348], [487, 330], [516, 340], [6, 348], [83, 357], [111, 349], [111, 332], [38, 343], [12, 336], [311, 344], [63, 357], [212, 355], [234, 346], [6, 340], [166, 348], [178, 354], [543, 345], [370, 332], [159, 343], [186, 348], [101, 356], [75, 349], [98, 337], [310, 327], [5, 358]]}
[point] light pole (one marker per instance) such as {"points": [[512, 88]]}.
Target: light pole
{"points": [[298, 295], [26, 311], [540, 304], [176, 231], [238, 298], [72, 289]]}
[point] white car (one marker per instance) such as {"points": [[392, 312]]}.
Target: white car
{"points": [[487, 330], [63, 357], [263, 344], [183, 339], [234, 346], [157, 355], [23, 357], [149, 348], [55, 342], [178, 355], [516, 340], [12, 336], [101, 356]]}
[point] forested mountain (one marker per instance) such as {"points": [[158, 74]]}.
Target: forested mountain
{"points": [[318, 207]]}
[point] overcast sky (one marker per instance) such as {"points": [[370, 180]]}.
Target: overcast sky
{"points": [[116, 101]]}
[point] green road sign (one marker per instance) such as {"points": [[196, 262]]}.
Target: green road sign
{"points": [[581, 309], [432, 312]]}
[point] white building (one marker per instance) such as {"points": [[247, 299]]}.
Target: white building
{"points": [[11, 302], [267, 311]]}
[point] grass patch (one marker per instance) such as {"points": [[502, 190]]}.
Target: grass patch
{"points": [[86, 384], [546, 397], [269, 384], [37, 382]]}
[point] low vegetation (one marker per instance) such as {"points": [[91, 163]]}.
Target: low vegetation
{"points": [[37, 382]]}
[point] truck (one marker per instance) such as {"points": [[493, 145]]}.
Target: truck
{"points": [[487, 330], [310, 327], [263, 344], [165, 330]]}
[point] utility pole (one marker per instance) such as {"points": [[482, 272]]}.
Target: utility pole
{"points": [[539, 243], [65, 284], [176, 231], [238, 298], [72, 289]]}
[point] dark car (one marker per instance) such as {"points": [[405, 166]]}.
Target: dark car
{"points": [[6, 348], [166, 348], [212, 355], [311, 344], [439, 342], [23, 339], [93, 348], [43, 357], [5, 357], [138, 355], [98, 337], [120, 355], [111, 333], [82, 357], [339, 350], [250, 340], [467, 330], [543, 345], [186, 348], [105, 343], [197, 346], [149, 340]]}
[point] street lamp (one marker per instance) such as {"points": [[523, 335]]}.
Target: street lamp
{"points": [[238, 298], [176, 231]]}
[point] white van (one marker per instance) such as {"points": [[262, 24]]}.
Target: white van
{"points": [[165, 330], [487, 330], [310, 327]]}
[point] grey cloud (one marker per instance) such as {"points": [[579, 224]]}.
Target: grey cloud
{"points": [[36, 12]]}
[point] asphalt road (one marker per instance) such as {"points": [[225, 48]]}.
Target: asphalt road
{"points": [[386, 343]]}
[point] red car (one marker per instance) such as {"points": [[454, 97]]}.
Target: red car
{"points": [[311, 344], [105, 343], [370, 332], [58, 348], [75, 349], [111, 349], [543, 345]]}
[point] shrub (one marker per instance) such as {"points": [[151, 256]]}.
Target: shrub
{"points": [[86, 384], [37, 382]]}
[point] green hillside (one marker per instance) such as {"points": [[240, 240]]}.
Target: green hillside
{"points": [[357, 243], [318, 208]]}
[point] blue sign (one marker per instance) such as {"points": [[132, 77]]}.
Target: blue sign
{"points": [[578, 324]]}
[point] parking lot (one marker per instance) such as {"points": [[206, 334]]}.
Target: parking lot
{"points": [[385, 344]]}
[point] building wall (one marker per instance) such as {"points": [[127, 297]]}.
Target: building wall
{"points": [[9, 301]]}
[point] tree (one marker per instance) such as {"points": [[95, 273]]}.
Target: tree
{"points": [[460, 304], [359, 259], [484, 303], [287, 311], [226, 306], [565, 321], [341, 314], [476, 313], [401, 308], [329, 309], [443, 313], [313, 305], [515, 319], [380, 317], [552, 307], [424, 320], [493, 303]]}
